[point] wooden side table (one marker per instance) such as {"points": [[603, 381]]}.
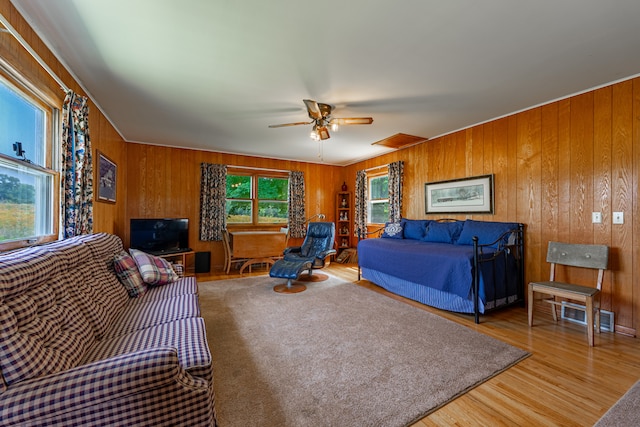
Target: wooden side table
{"points": [[259, 247]]}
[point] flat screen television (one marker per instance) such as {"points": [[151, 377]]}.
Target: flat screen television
{"points": [[159, 235]]}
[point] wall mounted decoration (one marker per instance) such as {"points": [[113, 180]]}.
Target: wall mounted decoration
{"points": [[106, 175], [464, 195]]}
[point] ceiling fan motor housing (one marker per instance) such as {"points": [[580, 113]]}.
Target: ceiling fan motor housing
{"points": [[325, 110]]}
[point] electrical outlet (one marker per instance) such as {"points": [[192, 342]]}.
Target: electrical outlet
{"points": [[618, 217], [596, 217]]}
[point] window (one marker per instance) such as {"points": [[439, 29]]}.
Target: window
{"points": [[378, 204], [257, 199], [27, 208]]}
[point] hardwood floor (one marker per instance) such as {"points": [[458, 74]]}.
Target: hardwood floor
{"points": [[563, 383]]}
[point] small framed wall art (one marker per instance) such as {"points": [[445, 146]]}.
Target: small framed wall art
{"points": [[464, 195], [106, 178]]}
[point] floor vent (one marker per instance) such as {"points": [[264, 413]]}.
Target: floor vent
{"points": [[575, 313]]}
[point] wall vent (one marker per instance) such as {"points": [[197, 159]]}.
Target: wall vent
{"points": [[575, 313]]}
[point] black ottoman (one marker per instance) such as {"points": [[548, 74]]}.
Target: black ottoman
{"points": [[290, 270]]}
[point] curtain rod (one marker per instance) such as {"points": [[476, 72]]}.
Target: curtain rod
{"points": [[32, 52], [376, 167], [259, 169]]}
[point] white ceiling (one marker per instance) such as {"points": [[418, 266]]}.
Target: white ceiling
{"points": [[213, 74]]}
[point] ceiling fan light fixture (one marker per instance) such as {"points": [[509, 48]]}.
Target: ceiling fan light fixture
{"points": [[323, 132], [314, 134], [335, 127]]}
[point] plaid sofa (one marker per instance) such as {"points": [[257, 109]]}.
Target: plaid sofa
{"points": [[76, 350]]}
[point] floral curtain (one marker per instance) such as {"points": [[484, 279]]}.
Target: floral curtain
{"points": [[77, 168], [296, 204], [213, 197], [361, 204], [396, 173]]}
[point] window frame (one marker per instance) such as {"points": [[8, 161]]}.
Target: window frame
{"points": [[255, 176], [371, 202], [51, 143]]}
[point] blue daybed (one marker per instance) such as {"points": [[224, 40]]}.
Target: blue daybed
{"points": [[462, 266]]}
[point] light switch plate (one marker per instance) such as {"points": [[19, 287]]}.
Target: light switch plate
{"points": [[618, 217], [596, 217]]}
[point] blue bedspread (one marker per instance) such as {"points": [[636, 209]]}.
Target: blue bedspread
{"points": [[441, 266]]}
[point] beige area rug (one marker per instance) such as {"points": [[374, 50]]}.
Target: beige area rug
{"points": [[625, 412], [336, 355]]}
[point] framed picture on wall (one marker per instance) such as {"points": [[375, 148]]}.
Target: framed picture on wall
{"points": [[106, 176], [464, 195]]}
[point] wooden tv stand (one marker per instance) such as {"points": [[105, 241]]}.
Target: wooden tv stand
{"points": [[181, 258]]}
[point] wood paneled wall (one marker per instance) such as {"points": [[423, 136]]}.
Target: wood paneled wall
{"points": [[553, 165], [165, 182]]}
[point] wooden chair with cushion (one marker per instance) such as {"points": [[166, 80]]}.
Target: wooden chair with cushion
{"points": [[573, 255]]}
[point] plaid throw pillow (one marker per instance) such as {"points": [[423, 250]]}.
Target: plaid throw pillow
{"points": [[128, 274], [155, 271]]}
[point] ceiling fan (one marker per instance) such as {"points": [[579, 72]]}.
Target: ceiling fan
{"points": [[320, 115]]}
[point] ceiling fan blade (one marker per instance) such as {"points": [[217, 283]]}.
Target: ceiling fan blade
{"points": [[290, 124], [313, 108], [352, 121]]}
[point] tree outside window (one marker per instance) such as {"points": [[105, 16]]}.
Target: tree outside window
{"points": [[378, 204], [257, 199], [26, 182], [273, 204]]}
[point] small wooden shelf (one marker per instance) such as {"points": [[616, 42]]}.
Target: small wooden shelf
{"points": [[344, 217], [182, 258]]}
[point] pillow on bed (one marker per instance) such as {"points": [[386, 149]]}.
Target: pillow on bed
{"points": [[414, 228], [487, 232], [443, 232], [392, 230]]}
